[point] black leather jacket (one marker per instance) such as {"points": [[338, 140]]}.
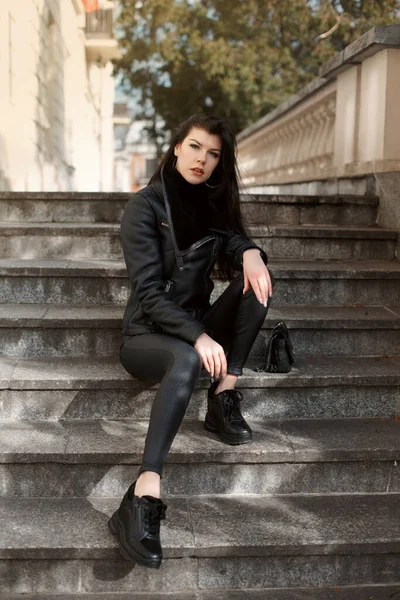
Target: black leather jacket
{"points": [[170, 288]]}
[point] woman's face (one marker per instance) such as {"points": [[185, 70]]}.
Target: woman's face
{"points": [[198, 155]]}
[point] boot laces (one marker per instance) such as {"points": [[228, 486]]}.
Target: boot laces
{"points": [[232, 403], [153, 514]]}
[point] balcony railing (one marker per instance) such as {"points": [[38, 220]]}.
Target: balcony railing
{"points": [[99, 24]]}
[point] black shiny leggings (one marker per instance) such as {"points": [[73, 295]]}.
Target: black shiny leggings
{"points": [[234, 319]]}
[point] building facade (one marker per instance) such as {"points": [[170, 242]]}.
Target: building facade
{"points": [[135, 153], [56, 105]]}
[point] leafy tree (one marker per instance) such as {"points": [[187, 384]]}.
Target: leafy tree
{"points": [[239, 58]]}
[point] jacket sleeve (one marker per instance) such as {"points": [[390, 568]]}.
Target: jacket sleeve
{"points": [[234, 245], [142, 252]]}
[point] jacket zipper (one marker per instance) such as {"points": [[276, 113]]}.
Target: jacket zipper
{"points": [[168, 285], [206, 274], [191, 248], [178, 256]]}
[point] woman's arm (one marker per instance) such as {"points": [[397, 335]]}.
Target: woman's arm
{"points": [[234, 245], [244, 255], [256, 275], [142, 254]]}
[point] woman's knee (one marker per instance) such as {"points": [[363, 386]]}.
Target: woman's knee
{"points": [[182, 379], [152, 357], [189, 362], [148, 357], [255, 308]]}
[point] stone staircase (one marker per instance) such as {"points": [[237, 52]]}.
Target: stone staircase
{"points": [[309, 511]]}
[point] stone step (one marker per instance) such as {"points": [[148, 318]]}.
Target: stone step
{"points": [[87, 240], [374, 592], [59, 330], [65, 207], [308, 242], [355, 211], [106, 282], [69, 388], [101, 458], [209, 543], [60, 240], [362, 592], [83, 207]]}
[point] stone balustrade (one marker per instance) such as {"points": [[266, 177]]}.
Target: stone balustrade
{"points": [[344, 124]]}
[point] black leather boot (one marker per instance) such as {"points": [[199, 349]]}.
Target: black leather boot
{"points": [[137, 525], [224, 416]]}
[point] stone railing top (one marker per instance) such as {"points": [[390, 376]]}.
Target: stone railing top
{"points": [[373, 41], [308, 90], [376, 39]]}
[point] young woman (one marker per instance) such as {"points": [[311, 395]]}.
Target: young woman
{"points": [[173, 233]]}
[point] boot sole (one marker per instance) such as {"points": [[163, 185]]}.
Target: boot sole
{"points": [[226, 438], [115, 527]]}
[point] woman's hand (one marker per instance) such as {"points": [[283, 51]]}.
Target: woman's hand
{"points": [[212, 355], [256, 274]]}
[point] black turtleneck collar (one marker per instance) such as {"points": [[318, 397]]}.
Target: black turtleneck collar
{"points": [[190, 192], [190, 209]]}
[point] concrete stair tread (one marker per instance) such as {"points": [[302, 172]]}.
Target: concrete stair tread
{"points": [[55, 267], [50, 228], [339, 269], [282, 268], [76, 207], [34, 330], [10, 228], [74, 196], [361, 592], [100, 282], [339, 199], [21, 373], [211, 526], [275, 441], [301, 316], [322, 231]]}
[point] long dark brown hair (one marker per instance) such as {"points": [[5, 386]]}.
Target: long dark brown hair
{"points": [[225, 198]]}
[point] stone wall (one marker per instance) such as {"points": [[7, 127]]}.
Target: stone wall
{"points": [[388, 190]]}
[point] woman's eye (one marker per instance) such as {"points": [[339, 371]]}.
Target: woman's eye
{"points": [[196, 147]]}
